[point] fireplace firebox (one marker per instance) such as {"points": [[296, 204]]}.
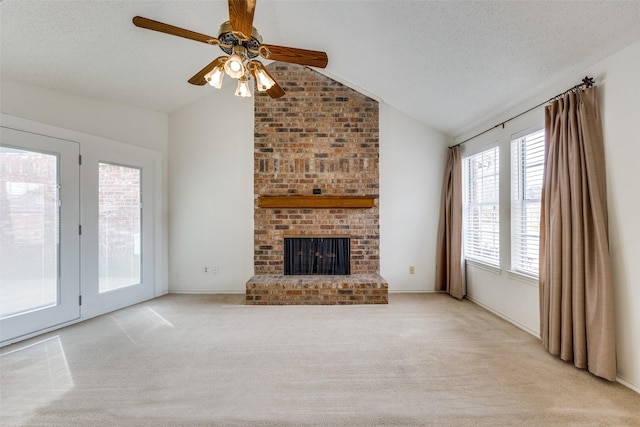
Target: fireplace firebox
{"points": [[317, 255]]}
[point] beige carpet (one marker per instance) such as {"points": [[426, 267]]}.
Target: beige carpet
{"points": [[185, 360]]}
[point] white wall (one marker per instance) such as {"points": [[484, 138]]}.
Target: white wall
{"points": [[108, 120], [619, 97], [620, 107], [211, 194], [115, 122], [412, 162]]}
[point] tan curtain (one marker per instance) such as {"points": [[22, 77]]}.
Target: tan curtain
{"points": [[449, 261], [576, 290]]}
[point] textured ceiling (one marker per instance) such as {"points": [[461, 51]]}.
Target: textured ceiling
{"points": [[448, 64]]}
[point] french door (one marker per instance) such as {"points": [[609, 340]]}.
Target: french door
{"points": [[117, 232], [39, 234], [76, 231]]}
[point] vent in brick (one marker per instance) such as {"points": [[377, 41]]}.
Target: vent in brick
{"points": [[316, 256]]}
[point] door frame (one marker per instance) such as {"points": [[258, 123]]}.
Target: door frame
{"points": [[159, 215]]}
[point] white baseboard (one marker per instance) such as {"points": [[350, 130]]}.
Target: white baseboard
{"points": [[505, 317], [627, 384], [206, 292], [237, 292], [519, 325], [413, 291]]}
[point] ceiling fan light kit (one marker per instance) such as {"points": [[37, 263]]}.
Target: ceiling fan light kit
{"points": [[243, 88], [241, 47], [214, 78], [264, 82], [234, 66]]}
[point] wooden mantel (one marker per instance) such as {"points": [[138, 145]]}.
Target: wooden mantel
{"points": [[317, 202]]}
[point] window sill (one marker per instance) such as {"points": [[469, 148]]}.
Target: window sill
{"points": [[524, 278], [488, 267]]}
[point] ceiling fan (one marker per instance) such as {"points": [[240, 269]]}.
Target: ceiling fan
{"points": [[242, 43]]}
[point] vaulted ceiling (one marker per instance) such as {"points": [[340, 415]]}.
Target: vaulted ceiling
{"points": [[448, 64]]}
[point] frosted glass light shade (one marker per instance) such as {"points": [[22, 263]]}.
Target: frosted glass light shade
{"points": [[234, 67], [263, 80], [243, 88], [214, 77]]}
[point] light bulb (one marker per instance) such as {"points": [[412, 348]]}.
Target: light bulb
{"points": [[243, 88], [233, 67], [214, 77], [263, 80]]}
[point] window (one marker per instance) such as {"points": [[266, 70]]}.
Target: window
{"points": [[119, 224], [527, 165], [481, 219], [29, 230]]}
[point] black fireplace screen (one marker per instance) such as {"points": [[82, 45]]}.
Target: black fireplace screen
{"points": [[316, 255]]}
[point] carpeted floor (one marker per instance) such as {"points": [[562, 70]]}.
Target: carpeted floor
{"points": [[204, 360]]}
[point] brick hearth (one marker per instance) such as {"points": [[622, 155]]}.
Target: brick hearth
{"points": [[285, 290]]}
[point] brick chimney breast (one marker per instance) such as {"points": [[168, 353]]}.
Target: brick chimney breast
{"points": [[319, 135]]}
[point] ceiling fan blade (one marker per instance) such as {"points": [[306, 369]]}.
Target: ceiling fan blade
{"points": [[199, 79], [313, 58], [241, 17], [276, 91], [150, 24]]}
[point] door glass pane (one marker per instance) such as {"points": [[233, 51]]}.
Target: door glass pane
{"points": [[29, 231], [119, 208]]}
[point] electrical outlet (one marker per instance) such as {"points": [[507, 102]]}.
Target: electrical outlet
{"points": [[412, 269], [206, 270], [215, 270]]}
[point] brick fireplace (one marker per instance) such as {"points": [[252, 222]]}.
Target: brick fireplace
{"points": [[320, 136]]}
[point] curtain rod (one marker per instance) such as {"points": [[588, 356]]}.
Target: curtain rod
{"points": [[587, 82]]}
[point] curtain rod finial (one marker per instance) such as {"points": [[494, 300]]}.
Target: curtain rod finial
{"points": [[588, 81]]}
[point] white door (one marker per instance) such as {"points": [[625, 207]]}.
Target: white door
{"points": [[39, 233], [117, 230]]}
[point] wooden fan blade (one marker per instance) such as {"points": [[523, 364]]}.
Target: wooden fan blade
{"points": [[296, 56], [150, 24], [275, 91], [199, 79], [241, 17]]}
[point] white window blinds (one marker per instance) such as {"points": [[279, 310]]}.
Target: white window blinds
{"points": [[527, 166], [481, 207]]}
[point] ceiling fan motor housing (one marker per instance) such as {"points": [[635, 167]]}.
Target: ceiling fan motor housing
{"points": [[228, 40]]}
